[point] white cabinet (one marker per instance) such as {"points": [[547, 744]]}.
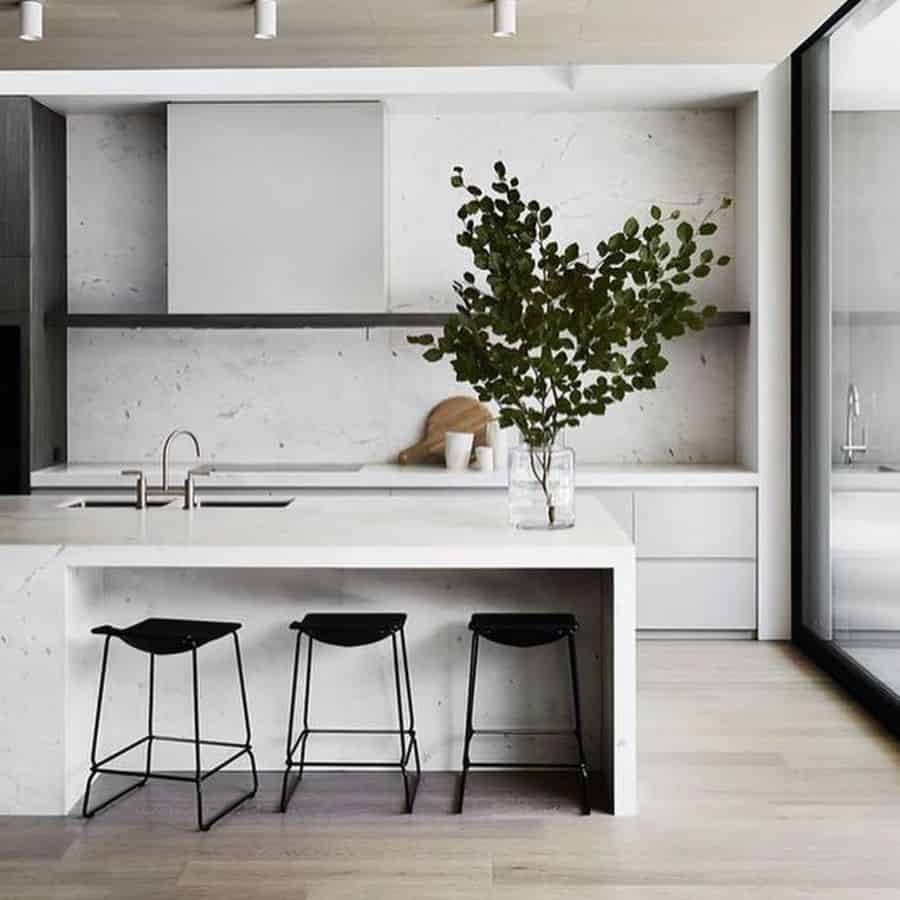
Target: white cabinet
{"points": [[702, 523], [276, 207], [696, 594]]}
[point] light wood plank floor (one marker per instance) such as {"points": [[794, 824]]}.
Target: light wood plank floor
{"points": [[759, 781]]}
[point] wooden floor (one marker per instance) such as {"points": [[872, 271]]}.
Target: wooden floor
{"points": [[758, 779]]}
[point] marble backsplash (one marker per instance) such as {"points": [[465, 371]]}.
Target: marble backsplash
{"points": [[358, 396], [350, 396]]}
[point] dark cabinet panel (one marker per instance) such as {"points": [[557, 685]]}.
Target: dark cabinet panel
{"points": [[47, 359], [15, 168], [32, 290], [15, 284], [14, 472]]}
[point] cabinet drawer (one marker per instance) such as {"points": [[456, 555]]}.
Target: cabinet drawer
{"points": [[702, 594], [672, 524]]}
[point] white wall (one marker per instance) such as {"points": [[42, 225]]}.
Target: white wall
{"points": [[349, 395], [773, 334]]}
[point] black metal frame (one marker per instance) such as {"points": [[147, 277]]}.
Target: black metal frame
{"points": [[407, 750], [581, 766], [100, 767], [869, 692]]}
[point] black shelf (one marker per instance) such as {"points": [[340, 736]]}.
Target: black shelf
{"points": [[288, 320]]}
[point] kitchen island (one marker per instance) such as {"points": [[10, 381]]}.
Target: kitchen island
{"points": [[63, 570]]}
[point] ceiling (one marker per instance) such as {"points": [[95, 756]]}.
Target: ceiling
{"points": [[129, 34], [865, 65]]}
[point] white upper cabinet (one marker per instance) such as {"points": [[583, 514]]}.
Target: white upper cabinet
{"points": [[276, 207]]}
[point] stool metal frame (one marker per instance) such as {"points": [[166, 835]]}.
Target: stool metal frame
{"points": [[581, 767], [409, 746], [101, 766]]}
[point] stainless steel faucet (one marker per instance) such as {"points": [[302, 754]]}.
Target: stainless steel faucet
{"points": [[850, 449], [165, 453]]}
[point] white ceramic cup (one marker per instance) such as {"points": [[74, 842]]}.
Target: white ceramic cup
{"points": [[458, 450], [484, 458], [498, 441]]}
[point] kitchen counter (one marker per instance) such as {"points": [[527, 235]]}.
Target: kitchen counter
{"points": [[389, 476], [348, 531], [865, 477], [64, 570]]}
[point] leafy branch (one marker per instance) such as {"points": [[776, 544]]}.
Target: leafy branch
{"points": [[552, 337]]}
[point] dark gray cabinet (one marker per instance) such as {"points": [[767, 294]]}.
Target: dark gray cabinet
{"points": [[32, 288]]}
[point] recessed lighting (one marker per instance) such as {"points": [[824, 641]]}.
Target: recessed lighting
{"points": [[504, 18], [31, 20], [265, 15]]}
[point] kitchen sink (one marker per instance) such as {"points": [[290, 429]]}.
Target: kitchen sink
{"points": [[277, 468], [115, 504], [249, 503]]}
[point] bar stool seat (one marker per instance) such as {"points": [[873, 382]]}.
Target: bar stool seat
{"points": [[352, 630], [166, 637], [523, 629]]}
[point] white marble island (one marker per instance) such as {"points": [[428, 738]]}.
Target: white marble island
{"points": [[65, 570]]}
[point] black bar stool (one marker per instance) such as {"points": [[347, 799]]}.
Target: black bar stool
{"points": [[164, 637], [524, 630], [351, 630]]}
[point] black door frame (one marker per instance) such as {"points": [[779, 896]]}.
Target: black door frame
{"points": [[868, 691]]}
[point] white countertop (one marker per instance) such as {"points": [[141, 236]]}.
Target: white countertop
{"points": [[863, 477], [285, 476], [370, 532]]}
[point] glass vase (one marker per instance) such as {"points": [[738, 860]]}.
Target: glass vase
{"points": [[542, 487]]}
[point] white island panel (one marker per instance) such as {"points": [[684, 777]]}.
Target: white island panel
{"points": [[59, 580]]}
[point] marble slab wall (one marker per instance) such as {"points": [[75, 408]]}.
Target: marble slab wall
{"points": [[865, 270], [363, 396]]}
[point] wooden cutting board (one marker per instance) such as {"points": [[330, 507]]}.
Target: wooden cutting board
{"points": [[454, 414]]}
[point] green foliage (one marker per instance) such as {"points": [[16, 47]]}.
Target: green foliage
{"points": [[550, 335]]}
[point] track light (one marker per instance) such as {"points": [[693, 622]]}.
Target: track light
{"points": [[265, 14], [31, 20], [504, 18]]}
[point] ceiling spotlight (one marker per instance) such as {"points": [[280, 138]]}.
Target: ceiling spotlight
{"points": [[504, 18], [31, 20], [265, 14]]}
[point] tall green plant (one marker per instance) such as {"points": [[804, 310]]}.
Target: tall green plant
{"points": [[551, 335]]}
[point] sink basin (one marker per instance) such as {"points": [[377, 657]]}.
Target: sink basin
{"points": [[115, 504], [278, 468], [249, 503]]}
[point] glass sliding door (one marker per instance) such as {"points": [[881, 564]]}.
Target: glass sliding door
{"points": [[846, 366]]}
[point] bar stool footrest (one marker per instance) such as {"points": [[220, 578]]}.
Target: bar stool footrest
{"points": [[291, 763], [102, 768]]}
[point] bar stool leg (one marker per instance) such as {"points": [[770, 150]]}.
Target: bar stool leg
{"points": [[199, 775], [248, 743], [404, 754], [306, 694], [198, 787], [470, 710], [582, 760], [412, 717], [289, 752], [150, 700], [288, 789], [86, 810], [402, 732]]}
